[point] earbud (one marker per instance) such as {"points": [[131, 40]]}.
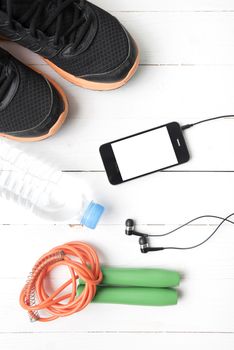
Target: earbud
{"points": [[145, 248], [129, 227], [144, 244], [143, 241]]}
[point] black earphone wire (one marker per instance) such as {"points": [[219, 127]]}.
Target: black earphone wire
{"points": [[193, 220], [188, 126], [185, 127], [188, 223]]}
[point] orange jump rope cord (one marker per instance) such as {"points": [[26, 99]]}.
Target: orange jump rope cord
{"points": [[86, 266]]}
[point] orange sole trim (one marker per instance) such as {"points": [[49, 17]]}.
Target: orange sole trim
{"points": [[56, 126], [93, 85]]}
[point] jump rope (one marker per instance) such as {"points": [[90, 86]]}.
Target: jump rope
{"points": [[149, 287], [90, 282], [87, 267]]}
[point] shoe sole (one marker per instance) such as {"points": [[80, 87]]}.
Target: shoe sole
{"points": [[56, 126], [94, 85]]}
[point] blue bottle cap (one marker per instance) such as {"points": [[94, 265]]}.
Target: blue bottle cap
{"points": [[92, 215]]}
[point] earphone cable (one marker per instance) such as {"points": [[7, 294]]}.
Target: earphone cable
{"points": [[203, 242], [191, 221], [188, 126]]}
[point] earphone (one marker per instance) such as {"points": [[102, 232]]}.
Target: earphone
{"points": [[144, 238], [143, 241]]}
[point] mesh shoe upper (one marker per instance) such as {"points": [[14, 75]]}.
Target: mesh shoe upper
{"points": [[77, 36], [108, 50], [34, 101]]}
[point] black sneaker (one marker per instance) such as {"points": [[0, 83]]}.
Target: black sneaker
{"points": [[83, 43], [32, 107]]}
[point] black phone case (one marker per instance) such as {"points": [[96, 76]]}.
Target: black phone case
{"points": [[110, 163]]}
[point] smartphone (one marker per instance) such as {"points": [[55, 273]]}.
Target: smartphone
{"points": [[144, 153]]}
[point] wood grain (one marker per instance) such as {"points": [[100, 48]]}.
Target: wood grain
{"points": [[183, 94], [164, 198], [186, 74], [116, 341], [166, 5], [176, 38]]}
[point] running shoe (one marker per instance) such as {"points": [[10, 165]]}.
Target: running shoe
{"points": [[83, 43], [32, 106]]}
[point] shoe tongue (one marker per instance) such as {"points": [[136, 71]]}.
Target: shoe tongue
{"points": [[19, 8], [2, 53], [67, 16], [4, 57]]}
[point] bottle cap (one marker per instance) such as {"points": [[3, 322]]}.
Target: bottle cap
{"points": [[92, 215]]}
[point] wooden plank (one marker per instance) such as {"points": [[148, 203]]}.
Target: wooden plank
{"points": [[207, 282], [116, 341], [27, 243], [183, 94], [76, 148], [166, 5], [191, 38], [157, 199], [200, 298]]}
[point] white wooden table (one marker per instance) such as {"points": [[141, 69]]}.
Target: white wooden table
{"points": [[186, 74]]}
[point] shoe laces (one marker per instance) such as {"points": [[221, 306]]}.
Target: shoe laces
{"points": [[39, 18], [6, 79]]}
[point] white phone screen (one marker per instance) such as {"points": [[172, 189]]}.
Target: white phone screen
{"points": [[144, 153]]}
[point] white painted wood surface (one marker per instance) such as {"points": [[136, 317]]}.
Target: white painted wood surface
{"points": [[186, 74]]}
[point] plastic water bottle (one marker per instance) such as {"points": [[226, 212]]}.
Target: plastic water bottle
{"points": [[49, 193]]}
